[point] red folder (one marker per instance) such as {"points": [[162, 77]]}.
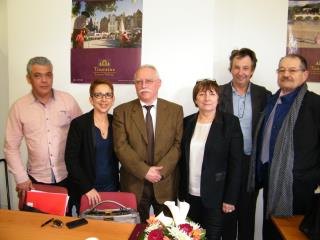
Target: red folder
{"points": [[53, 203]]}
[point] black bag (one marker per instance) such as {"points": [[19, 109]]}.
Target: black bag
{"points": [[121, 214], [310, 224]]}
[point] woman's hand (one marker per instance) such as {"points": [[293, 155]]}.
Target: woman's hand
{"points": [[228, 208], [93, 197]]}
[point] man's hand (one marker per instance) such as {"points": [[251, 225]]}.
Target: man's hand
{"points": [[154, 175], [93, 197], [21, 188], [228, 208]]}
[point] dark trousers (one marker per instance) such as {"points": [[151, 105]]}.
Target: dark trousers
{"points": [[241, 222], [147, 200], [208, 218], [64, 183]]}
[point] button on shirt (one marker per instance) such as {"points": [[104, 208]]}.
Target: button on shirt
{"points": [[45, 128], [242, 108]]}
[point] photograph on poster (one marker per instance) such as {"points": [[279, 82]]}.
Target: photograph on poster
{"points": [[106, 38], [304, 33], [99, 25]]}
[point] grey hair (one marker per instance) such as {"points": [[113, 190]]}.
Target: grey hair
{"points": [[39, 61], [147, 66]]}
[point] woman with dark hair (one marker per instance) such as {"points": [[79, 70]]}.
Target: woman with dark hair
{"points": [[211, 148], [91, 163]]}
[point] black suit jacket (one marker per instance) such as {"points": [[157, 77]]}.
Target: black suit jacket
{"points": [[80, 153], [221, 168], [259, 97], [306, 165]]}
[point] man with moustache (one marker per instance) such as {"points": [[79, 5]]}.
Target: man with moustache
{"points": [[286, 153], [245, 100], [42, 118], [147, 136]]}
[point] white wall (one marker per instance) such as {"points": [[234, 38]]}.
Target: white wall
{"points": [[185, 39]]}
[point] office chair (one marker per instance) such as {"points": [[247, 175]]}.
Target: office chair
{"points": [[125, 198], [7, 181], [44, 188]]}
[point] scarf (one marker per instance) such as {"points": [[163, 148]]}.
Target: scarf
{"points": [[280, 193]]}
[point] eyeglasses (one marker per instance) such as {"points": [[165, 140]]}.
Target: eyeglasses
{"points": [[146, 82], [291, 71], [99, 95]]}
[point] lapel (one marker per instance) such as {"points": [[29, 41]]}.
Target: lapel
{"points": [[91, 142], [255, 102], [188, 132], [212, 137], [227, 99], [163, 119], [138, 118]]}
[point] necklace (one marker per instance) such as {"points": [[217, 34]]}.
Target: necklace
{"points": [[242, 106], [102, 126], [241, 101]]}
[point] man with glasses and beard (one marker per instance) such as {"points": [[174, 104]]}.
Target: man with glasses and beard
{"points": [[147, 136], [286, 152]]}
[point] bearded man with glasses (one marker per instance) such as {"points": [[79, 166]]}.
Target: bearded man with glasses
{"points": [[286, 152], [147, 137]]}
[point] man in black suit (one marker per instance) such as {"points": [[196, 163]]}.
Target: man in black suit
{"points": [[286, 151], [246, 101]]}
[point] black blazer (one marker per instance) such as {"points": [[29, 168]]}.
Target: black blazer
{"points": [[259, 96], [80, 153], [306, 165], [221, 168]]}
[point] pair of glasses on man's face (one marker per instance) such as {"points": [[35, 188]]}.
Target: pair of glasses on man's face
{"points": [[291, 71], [145, 82], [100, 95]]}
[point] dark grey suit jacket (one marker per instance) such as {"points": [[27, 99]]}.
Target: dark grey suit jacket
{"points": [[259, 97]]}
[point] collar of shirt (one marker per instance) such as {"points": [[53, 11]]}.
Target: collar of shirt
{"points": [[235, 91], [285, 99], [153, 111], [35, 99], [289, 98]]}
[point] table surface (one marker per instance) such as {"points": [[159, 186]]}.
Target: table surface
{"points": [[289, 227], [26, 226]]}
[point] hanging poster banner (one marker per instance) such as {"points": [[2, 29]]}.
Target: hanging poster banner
{"points": [[106, 40], [304, 34]]}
